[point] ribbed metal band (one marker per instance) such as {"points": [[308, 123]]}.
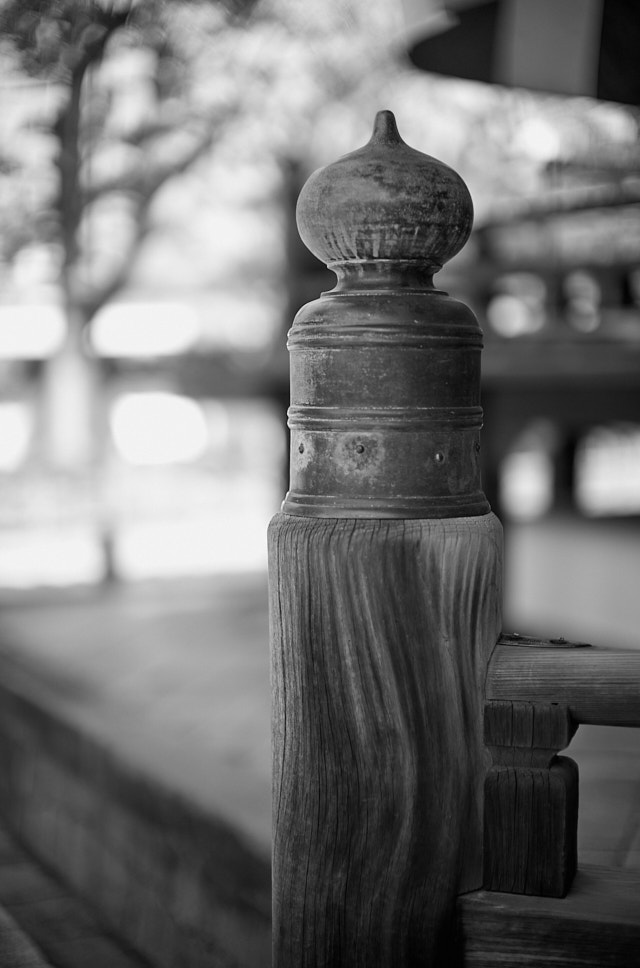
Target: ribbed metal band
{"points": [[382, 334], [403, 419], [328, 506]]}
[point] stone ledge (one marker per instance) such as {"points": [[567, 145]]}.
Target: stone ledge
{"points": [[42, 925], [183, 888]]}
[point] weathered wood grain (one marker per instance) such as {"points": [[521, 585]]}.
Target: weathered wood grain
{"points": [[598, 686], [596, 926], [380, 634], [527, 734], [530, 828]]}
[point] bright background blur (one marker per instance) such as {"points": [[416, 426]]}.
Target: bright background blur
{"points": [[148, 279]]}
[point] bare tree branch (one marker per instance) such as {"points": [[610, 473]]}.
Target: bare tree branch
{"points": [[144, 191]]}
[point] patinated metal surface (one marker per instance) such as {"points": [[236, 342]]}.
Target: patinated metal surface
{"points": [[385, 410]]}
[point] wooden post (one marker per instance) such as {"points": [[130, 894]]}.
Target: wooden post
{"points": [[385, 578]]}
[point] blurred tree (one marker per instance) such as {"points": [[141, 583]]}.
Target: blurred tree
{"points": [[124, 112]]}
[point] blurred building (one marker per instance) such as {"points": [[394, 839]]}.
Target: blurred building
{"points": [[190, 357]]}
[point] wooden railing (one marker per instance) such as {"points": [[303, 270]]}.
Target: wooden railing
{"points": [[596, 686], [415, 760], [537, 694]]}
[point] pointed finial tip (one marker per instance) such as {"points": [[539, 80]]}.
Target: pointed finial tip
{"points": [[385, 129]]}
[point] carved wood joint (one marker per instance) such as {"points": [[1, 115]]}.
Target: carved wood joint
{"points": [[531, 799]]}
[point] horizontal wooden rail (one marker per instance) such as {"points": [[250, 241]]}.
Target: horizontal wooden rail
{"points": [[598, 686]]}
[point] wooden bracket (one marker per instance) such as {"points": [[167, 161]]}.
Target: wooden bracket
{"points": [[531, 799]]}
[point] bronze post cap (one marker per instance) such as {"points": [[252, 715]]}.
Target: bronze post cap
{"points": [[385, 410]]}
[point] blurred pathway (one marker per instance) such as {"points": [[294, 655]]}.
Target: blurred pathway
{"points": [[174, 678]]}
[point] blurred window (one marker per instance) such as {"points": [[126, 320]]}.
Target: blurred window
{"points": [[608, 471], [139, 329], [518, 306], [50, 555], [30, 332], [527, 476], [16, 431], [158, 428], [526, 485]]}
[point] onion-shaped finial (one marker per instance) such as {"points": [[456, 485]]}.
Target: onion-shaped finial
{"points": [[385, 201]]}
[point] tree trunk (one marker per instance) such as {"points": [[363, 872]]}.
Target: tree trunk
{"points": [[71, 406]]}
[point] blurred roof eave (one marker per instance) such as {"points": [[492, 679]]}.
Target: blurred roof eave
{"points": [[589, 47]]}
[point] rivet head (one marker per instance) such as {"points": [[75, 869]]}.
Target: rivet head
{"points": [[439, 457], [301, 448], [359, 448]]}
